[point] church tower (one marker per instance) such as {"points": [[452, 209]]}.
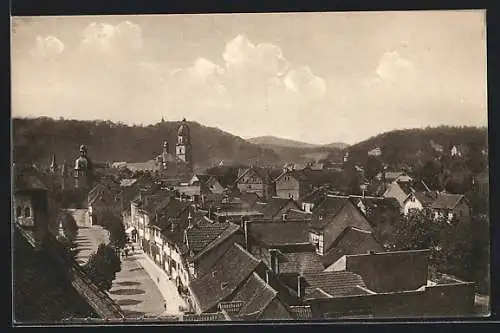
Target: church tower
{"points": [[183, 146], [83, 169]]}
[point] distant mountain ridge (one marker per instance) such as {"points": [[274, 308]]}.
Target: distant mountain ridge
{"points": [[273, 141]]}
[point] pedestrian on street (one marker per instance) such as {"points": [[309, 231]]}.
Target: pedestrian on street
{"points": [[165, 305], [158, 279]]}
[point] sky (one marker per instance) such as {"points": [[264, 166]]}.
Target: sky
{"points": [[313, 77]]}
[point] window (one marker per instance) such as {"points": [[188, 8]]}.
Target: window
{"points": [[27, 212], [18, 211]]}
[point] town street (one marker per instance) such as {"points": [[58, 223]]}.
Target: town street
{"points": [[165, 285], [135, 289]]}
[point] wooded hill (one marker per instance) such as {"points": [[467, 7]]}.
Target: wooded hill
{"points": [[412, 146], [35, 140]]}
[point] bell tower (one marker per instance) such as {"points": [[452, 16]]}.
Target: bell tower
{"points": [[183, 146]]}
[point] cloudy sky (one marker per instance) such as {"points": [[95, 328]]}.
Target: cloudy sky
{"points": [[315, 77]]}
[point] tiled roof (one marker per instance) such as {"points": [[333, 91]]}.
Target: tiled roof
{"points": [[327, 209], [446, 201], [336, 284], [174, 208], [256, 295], [205, 233], [228, 273], [274, 206], [300, 262], [350, 241], [215, 316], [301, 312], [276, 233]]}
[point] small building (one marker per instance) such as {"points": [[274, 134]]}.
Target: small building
{"points": [[439, 205], [400, 190]]}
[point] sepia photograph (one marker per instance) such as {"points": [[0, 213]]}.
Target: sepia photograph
{"points": [[213, 168]]}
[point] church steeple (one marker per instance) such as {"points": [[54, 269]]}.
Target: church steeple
{"points": [[53, 164], [183, 146]]}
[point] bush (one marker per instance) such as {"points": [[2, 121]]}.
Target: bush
{"points": [[103, 266]]}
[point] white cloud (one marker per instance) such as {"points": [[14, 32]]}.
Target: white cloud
{"points": [[302, 80], [392, 66], [123, 38], [205, 70], [47, 47]]}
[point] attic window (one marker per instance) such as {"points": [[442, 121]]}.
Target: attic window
{"points": [[223, 285]]}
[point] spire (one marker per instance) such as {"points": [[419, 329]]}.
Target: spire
{"points": [[64, 168], [162, 120], [53, 164]]}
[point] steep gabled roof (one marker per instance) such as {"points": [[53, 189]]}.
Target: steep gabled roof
{"points": [[328, 209], [228, 273], [205, 235], [255, 294], [350, 241]]}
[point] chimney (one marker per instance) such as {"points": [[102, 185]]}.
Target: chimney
{"points": [[284, 217], [371, 252], [274, 261], [300, 286], [245, 231]]}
